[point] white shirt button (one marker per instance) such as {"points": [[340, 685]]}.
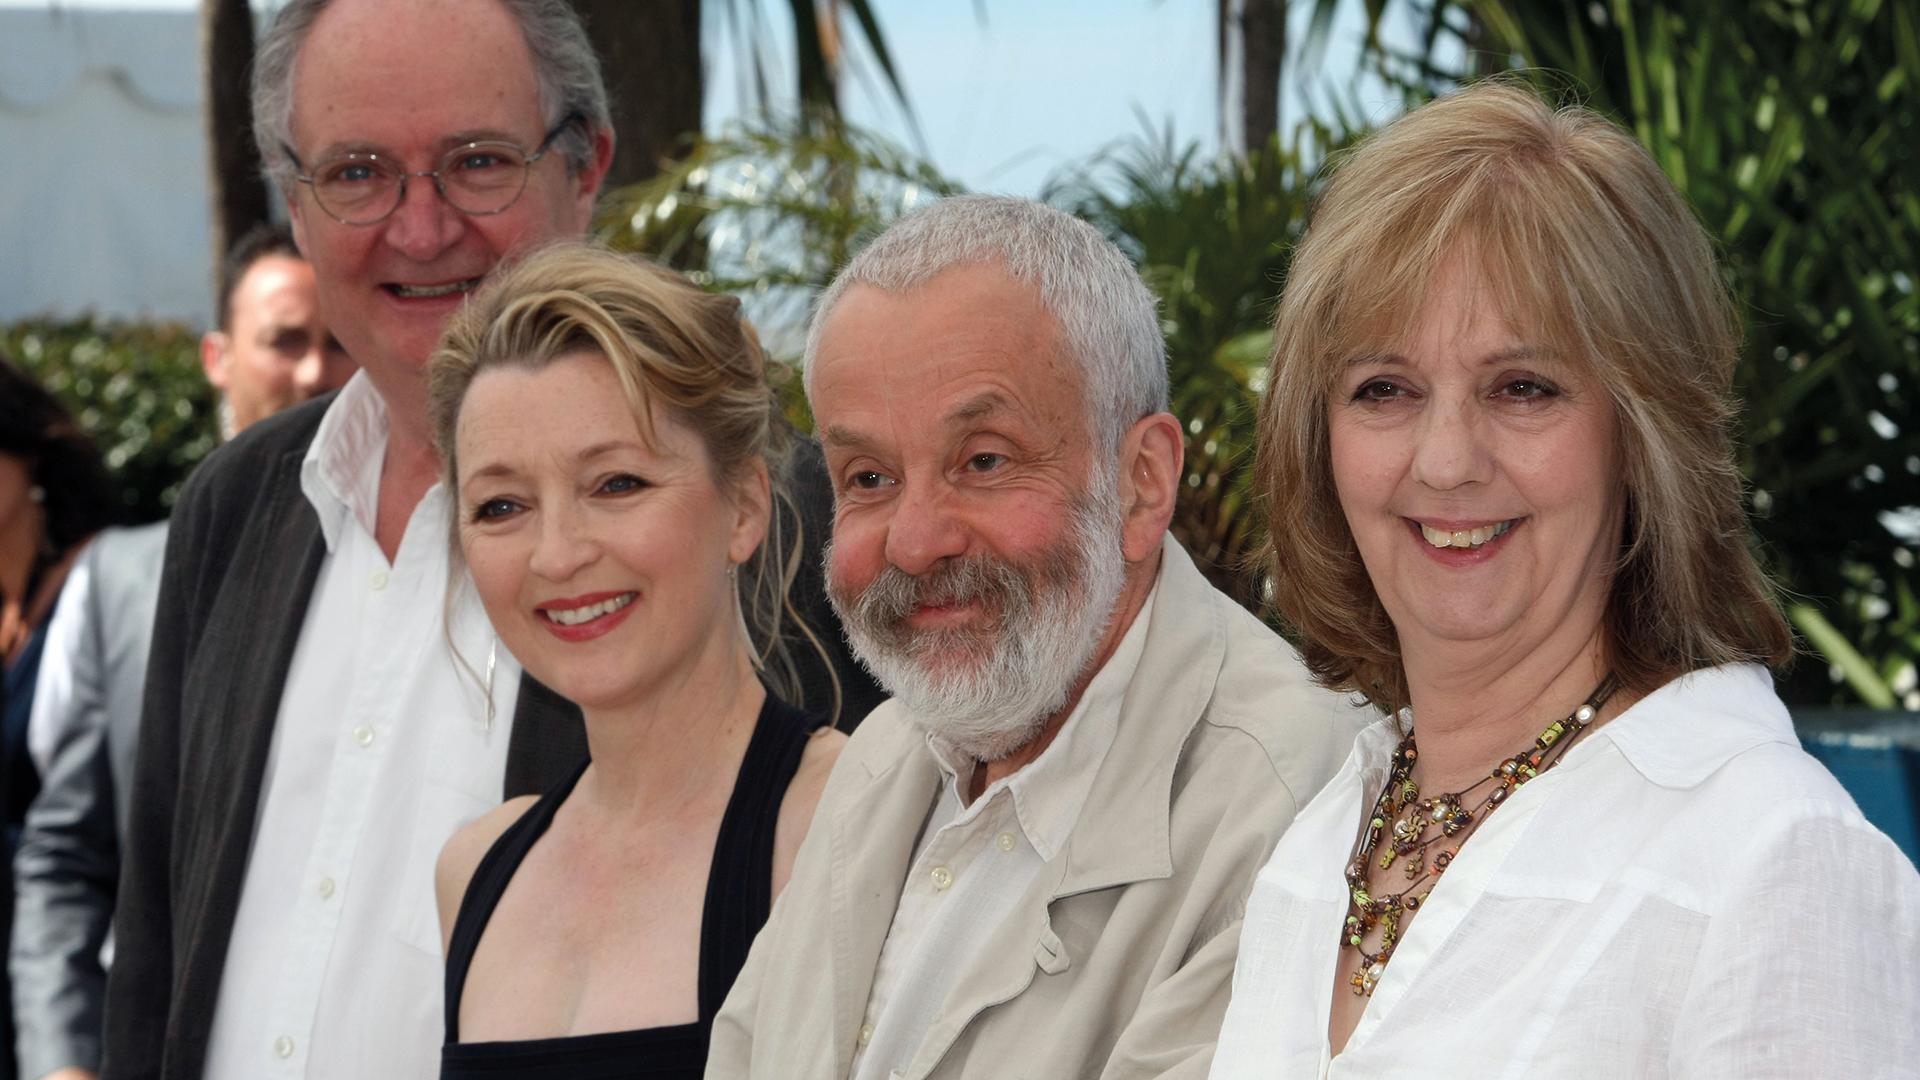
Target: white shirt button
{"points": [[942, 878], [283, 1046], [866, 1034], [379, 580], [326, 888], [363, 735], [1007, 841]]}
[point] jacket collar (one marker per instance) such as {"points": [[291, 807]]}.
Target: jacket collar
{"points": [[1123, 833]]}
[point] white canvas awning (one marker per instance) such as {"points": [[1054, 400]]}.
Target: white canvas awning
{"points": [[103, 179]]}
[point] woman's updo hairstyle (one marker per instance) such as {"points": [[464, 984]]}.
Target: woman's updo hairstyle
{"points": [[671, 344]]}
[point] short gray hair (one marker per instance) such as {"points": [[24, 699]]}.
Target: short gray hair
{"points": [[1108, 319], [564, 67]]}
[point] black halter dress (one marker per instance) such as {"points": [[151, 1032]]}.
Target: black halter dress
{"points": [[739, 894]]}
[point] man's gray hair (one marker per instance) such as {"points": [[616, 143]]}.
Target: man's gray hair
{"points": [[564, 67], [1108, 319]]}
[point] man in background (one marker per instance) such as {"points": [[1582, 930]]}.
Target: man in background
{"points": [[272, 350]]}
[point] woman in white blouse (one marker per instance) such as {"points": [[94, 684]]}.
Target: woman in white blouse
{"points": [[1584, 842]]}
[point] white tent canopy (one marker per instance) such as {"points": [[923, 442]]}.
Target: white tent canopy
{"points": [[103, 183]]}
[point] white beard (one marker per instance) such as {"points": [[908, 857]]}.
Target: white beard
{"points": [[990, 690]]}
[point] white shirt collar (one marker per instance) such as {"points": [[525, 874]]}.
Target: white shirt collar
{"points": [[1676, 736], [341, 472], [1685, 731], [1049, 791]]}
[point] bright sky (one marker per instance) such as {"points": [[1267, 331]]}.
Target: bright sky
{"points": [[1007, 102], [1041, 84]]}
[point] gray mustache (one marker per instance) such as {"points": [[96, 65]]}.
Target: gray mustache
{"points": [[881, 609]]}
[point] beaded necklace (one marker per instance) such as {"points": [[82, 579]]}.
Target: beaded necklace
{"points": [[1409, 825]]}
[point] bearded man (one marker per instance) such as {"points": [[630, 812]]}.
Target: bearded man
{"points": [[1034, 859]]}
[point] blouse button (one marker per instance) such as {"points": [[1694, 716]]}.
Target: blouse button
{"points": [[283, 1047], [866, 1034], [942, 878], [1006, 841], [363, 735]]}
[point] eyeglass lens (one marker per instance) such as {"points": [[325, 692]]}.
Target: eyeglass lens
{"points": [[481, 178]]}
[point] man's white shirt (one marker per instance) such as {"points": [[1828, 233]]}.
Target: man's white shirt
{"points": [[975, 861], [382, 749]]}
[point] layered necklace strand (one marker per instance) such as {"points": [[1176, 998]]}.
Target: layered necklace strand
{"points": [[1403, 826]]}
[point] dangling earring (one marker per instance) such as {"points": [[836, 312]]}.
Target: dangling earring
{"points": [[740, 617], [493, 654]]}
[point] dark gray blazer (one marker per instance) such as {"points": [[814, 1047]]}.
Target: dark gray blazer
{"points": [[241, 562], [68, 865]]}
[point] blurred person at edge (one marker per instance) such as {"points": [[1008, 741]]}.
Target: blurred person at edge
{"points": [[313, 730], [616, 451], [1505, 508], [272, 351], [1032, 860], [55, 495]]}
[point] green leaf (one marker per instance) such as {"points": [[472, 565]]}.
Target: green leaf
{"points": [[1838, 651]]}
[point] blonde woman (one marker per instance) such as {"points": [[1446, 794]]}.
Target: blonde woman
{"points": [[1583, 841], [614, 449]]}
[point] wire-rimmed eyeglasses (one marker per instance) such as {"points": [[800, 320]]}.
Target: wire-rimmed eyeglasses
{"points": [[479, 178]]}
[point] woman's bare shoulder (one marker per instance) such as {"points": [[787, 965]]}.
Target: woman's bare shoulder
{"points": [[462, 855], [803, 796], [816, 761]]}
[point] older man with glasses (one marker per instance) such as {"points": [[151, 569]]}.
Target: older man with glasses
{"points": [[311, 736], [326, 702]]}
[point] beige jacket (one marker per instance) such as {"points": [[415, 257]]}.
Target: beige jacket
{"points": [[1119, 959]]}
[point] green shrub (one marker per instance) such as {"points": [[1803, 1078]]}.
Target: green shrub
{"points": [[137, 389]]}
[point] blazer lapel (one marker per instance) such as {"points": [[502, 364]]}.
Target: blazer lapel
{"points": [[251, 631], [874, 833], [1122, 834]]}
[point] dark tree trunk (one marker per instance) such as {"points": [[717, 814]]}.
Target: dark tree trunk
{"points": [[1263, 48], [650, 58], [239, 192]]}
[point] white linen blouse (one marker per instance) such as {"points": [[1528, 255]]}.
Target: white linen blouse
{"points": [[1687, 894]]}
